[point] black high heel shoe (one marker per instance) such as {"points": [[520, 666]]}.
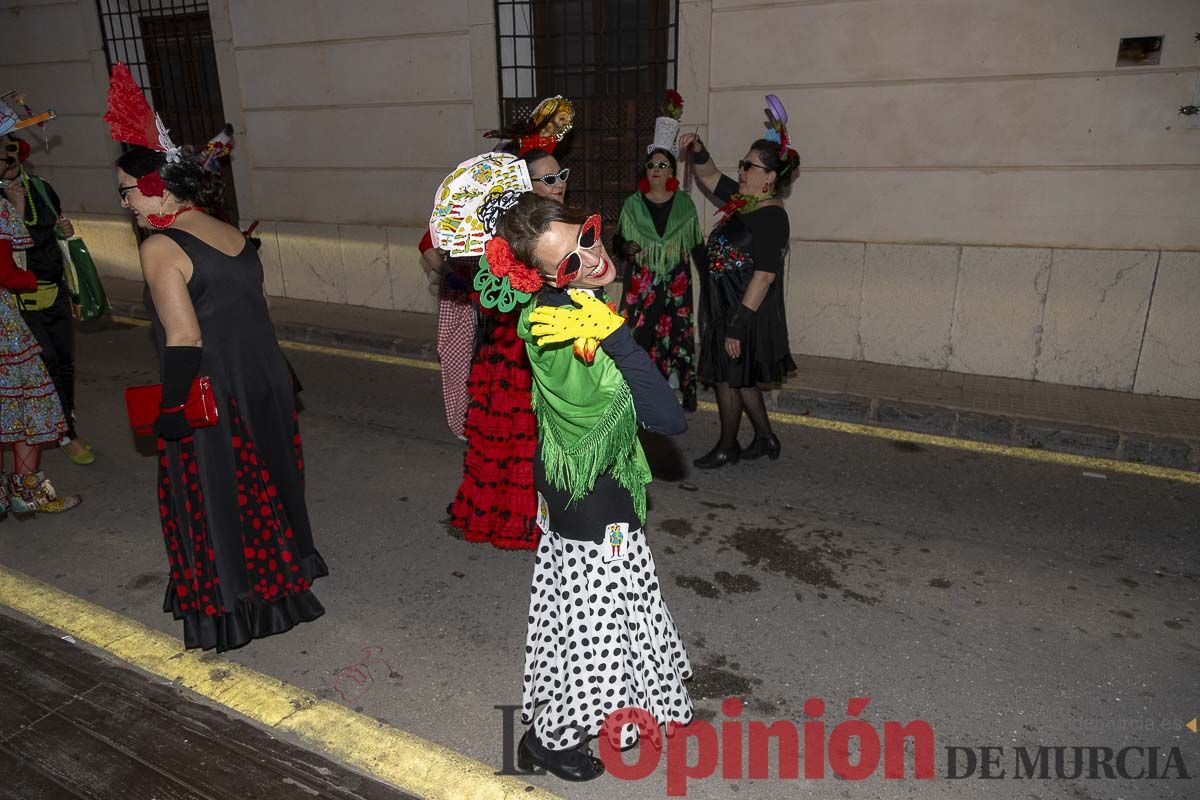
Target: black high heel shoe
{"points": [[768, 446], [577, 764], [718, 457]]}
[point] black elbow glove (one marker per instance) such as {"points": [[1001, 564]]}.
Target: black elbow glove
{"points": [[737, 326], [702, 156], [179, 368]]}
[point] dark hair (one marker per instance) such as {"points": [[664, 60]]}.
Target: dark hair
{"points": [[187, 180], [523, 224], [535, 155], [784, 168], [670, 157]]}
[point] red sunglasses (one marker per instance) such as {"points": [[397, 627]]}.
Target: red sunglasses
{"points": [[589, 237]]}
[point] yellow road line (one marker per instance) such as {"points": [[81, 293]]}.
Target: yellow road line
{"points": [[378, 358], [401, 759], [325, 350], [985, 448], [851, 428]]}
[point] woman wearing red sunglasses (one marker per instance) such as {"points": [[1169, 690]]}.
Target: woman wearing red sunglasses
{"points": [[600, 638]]}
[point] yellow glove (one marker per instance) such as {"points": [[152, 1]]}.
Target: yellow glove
{"points": [[586, 325]]}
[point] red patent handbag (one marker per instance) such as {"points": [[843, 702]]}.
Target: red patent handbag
{"points": [[143, 404]]}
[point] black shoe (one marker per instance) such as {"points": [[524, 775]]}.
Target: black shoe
{"points": [[768, 446], [577, 764], [718, 457], [689, 404]]}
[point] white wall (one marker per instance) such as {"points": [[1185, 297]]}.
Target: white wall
{"points": [[982, 190]]}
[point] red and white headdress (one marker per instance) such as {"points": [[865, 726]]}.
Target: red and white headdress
{"points": [[130, 118]]}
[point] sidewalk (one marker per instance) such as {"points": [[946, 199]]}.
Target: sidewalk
{"points": [[1162, 431], [75, 725]]}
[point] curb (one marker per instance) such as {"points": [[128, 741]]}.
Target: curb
{"points": [[1019, 432], [405, 761]]}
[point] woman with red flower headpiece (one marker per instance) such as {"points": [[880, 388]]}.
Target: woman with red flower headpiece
{"points": [[496, 501], [231, 494]]}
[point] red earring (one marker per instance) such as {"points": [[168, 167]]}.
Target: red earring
{"points": [[766, 188], [643, 185], [672, 184]]}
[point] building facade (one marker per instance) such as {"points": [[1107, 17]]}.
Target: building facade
{"points": [[999, 188]]}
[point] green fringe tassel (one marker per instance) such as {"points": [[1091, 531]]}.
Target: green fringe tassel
{"points": [[664, 256], [610, 446]]}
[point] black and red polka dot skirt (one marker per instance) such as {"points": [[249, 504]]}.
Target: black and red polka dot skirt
{"points": [[239, 545]]}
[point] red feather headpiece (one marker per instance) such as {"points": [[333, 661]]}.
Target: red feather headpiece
{"points": [[130, 118]]}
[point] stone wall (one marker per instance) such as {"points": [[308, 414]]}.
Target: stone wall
{"points": [[982, 189]]}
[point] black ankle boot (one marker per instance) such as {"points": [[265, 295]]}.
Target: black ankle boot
{"points": [[718, 457], [577, 764], [763, 446]]}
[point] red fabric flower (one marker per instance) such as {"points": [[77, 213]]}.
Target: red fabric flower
{"points": [[643, 185], [151, 185], [679, 285], [505, 264], [672, 184], [674, 98]]}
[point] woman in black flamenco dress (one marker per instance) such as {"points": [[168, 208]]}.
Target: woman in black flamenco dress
{"points": [[231, 496], [743, 323]]}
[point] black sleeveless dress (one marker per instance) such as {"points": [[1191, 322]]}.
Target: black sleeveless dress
{"points": [[740, 245], [231, 497]]}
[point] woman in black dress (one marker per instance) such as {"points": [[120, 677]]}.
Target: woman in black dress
{"points": [[231, 496], [743, 325]]}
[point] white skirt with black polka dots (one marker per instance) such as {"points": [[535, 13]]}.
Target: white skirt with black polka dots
{"points": [[600, 639]]}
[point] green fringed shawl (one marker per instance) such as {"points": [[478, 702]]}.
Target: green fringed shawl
{"points": [[661, 253], [586, 420]]}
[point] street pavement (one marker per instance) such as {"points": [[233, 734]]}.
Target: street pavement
{"points": [[1007, 603]]}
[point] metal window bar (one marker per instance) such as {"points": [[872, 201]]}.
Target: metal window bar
{"points": [[614, 59], [168, 46]]}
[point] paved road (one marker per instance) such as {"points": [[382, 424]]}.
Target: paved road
{"points": [[1007, 603]]}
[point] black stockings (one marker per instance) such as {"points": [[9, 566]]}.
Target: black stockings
{"points": [[731, 402]]}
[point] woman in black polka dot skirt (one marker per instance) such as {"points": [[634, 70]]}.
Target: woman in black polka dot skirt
{"points": [[600, 637]]}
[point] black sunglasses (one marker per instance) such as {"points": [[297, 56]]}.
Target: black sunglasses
{"points": [[658, 165], [552, 179], [746, 165], [124, 190], [12, 148]]}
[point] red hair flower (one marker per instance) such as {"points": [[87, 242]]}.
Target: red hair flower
{"points": [[673, 104], [151, 185], [505, 264]]}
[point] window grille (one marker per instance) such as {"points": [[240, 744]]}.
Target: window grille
{"points": [[614, 59]]}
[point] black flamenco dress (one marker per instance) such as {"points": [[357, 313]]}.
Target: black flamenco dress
{"points": [[231, 496], [740, 245]]}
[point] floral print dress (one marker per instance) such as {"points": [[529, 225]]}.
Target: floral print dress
{"points": [[30, 411], [658, 304]]}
